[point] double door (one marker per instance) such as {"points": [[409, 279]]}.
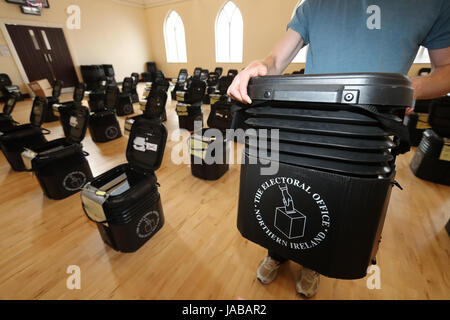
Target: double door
{"points": [[44, 53]]}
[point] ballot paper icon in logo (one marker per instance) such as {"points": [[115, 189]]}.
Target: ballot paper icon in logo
{"points": [[148, 224], [128, 108], [111, 132], [74, 181], [288, 220]]}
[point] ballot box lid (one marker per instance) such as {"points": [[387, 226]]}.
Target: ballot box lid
{"points": [[147, 143], [37, 111], [78, 121], [383, 89]]}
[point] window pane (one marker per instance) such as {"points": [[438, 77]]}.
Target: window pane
{"points": [[47, 44], [33, 38], [236, 30], [229, 34], [175, 38], [223, 37]]}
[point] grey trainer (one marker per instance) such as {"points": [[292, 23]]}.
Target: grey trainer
{"points": [[267, 270], [308, 283]]}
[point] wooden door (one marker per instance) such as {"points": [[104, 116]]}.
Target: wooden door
{"points": [[58, 55], [44, 53], [29, 48]]}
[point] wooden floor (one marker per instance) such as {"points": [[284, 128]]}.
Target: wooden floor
{"points": [[199, 254]]}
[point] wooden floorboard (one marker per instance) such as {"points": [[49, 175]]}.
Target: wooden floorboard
{"points": [[199, 254]]}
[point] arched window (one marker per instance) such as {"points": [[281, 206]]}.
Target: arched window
{"points": [[175, 38], [301, 56], [422, 56], [229, 34]]}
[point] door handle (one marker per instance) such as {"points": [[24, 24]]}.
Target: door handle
{"points": [[50, 57]]}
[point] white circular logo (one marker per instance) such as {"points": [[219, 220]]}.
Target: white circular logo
{"points": [[128, 109], [111, 132], [148, 225], [74, 181], [291, 213]]}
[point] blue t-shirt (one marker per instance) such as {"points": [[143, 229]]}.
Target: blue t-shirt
{"points": [[370, 36]]}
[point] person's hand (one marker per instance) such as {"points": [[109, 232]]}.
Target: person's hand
{"points": [[409, 111], [238, 89]]}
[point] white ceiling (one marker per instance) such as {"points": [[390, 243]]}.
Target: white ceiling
{"points": [[148, 3]]}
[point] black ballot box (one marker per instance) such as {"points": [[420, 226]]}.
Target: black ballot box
{"points": [[129, 124], [431, 162], [180, 84], [97, 100], [189, 107], [104, 126], [417, 123], [64, 110], [49, 116], [14, 141], [61, 166], [319, 166], [7, 123], [221, 115], [124, 202], [440, 116], [155, 105], [209, 154], [189, 114], [103, 123], [125, 104]]}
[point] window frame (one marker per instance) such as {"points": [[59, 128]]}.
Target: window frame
{"points": [[230, 55], [182, 59]]}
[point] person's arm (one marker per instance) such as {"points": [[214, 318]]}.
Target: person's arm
{"points": [[437, 84], [274, 64]]}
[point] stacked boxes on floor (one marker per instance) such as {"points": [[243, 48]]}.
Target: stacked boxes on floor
{"points": [[60, 165], [124, 202], [317, 192]]}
